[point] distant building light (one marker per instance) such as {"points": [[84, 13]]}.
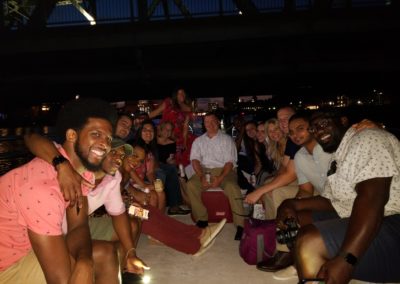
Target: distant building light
{"points": [[359, 102], [77, 97], [240, 12], [45, 108]]}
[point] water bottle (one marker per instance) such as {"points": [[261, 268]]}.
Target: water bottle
{"points": [[181, 171], [208, 176], [253, 179]]}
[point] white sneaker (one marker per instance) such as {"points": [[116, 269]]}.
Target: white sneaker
{"points": [[203, 249], [211, 232], [287, 273]]}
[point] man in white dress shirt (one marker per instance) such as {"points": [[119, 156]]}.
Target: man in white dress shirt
{"points": [[215, 152]]}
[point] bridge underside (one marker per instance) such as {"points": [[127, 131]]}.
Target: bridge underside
{"points": [[227, 56]]}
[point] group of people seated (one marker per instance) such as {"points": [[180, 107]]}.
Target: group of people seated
{"points": [[341, 192], [339, 184]]}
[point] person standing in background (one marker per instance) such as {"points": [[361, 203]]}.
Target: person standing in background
{"points": [[178, 111]]}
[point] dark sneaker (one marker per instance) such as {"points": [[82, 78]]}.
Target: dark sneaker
{"points": [[202, 224], [280, 261], [177, 211], [239, 233]]}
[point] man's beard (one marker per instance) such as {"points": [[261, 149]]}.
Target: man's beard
{"points": [[89, 166], [332, 145]]}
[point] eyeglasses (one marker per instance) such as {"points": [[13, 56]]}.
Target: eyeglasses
{"points": [[320, 125]]}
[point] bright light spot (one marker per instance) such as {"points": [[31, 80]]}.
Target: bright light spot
{"points": [[77, 97], [146, 279], [240, 12], [92, 23]]}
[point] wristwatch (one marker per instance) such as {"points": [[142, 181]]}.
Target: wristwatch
{"points": [[349, 257], [59, 159]]}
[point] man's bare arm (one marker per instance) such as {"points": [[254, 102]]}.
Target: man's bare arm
{"points": [[79, 243], [53, 256], [123, 229]]}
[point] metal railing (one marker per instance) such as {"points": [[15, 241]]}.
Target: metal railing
{"points": [[16, 14], [13, 151]]}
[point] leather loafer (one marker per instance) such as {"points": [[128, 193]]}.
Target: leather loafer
{"points": [[131, 278], [280, 261]]}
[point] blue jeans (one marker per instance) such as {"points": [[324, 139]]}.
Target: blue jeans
{"points": [[169, 175]]}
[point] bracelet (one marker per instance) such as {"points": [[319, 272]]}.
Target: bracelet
{"points": [[129, 250]]}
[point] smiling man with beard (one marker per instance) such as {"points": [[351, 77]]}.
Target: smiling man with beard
{"points": [[33, 248], [110, 233], [363, 188]]}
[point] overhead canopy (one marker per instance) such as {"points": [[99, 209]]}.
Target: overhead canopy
{"points": [[258, 53]]}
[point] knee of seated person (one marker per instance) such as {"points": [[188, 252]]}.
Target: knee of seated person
{"points": [[191, 184], [305, 239], [153, 200], [106, 252], [231, 185], [161, 174]]}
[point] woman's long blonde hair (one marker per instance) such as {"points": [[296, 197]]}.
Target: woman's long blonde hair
{"points": [[275, 149]]}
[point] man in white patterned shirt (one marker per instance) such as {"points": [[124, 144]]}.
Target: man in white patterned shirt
{"points": [[216, 152], [363, 188]]}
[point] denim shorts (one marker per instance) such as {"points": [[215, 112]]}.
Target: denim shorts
{"points": [[380, 263]]}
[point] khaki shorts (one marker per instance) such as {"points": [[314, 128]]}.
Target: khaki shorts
{"points": [[26, 270], [273, 199], [101, 228]]}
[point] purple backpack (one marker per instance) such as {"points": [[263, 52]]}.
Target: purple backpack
{"points": [[258, 242]]}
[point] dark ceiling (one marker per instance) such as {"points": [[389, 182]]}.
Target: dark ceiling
{"points": [[229, 56]]}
